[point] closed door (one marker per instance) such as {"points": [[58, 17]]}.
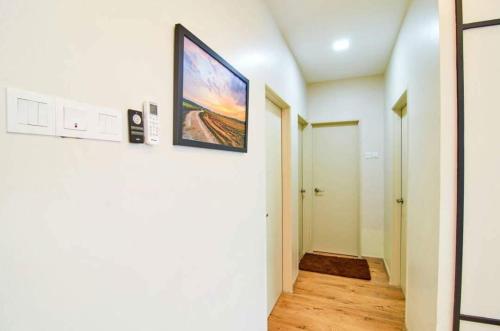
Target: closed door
{"points": [[274, 205], [301, 192], [336, 188], [481, 190], [401, 176]]}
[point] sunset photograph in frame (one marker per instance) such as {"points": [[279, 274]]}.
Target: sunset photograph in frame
{"points": [[210, 97]]}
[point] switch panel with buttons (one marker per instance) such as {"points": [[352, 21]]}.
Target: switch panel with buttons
{"points": [[30, 113], [80, 120], [33, 113]]}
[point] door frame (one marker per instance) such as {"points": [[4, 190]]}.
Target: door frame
{"points": [[286, 172], [358, 123], [395, 272], [303, 127]]}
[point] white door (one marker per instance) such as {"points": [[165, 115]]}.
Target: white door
{"points": [[274, 205], [401, 175], [336, 188], [481, 215], [301, 191]]}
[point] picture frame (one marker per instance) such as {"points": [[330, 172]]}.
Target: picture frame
{"points": [[210, 97]]}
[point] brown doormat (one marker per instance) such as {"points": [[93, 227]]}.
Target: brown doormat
{"points": [[338, 266]]}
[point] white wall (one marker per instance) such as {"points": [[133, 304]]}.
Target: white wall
{"points": [[415, 67], [448, 165], [113, 236], [359, 99]]}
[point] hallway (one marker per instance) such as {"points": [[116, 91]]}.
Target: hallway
{"points": [[166, 164], [330, 303]]}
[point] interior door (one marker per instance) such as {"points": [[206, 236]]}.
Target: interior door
{"points": [[401, 188], [481, 195], [404, 193], [301, 191], [336, 188], [274, 205]]}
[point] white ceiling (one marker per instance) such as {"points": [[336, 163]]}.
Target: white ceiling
{"points": [[311, 26]]}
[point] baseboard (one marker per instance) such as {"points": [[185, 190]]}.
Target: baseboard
{"points": [[373, 257], [293, 284], [387, 270]]}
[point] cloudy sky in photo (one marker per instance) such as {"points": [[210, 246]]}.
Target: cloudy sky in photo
{"points": [[211, 85]]}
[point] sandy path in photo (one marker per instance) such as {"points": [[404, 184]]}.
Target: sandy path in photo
{"points": [[195, 129]]}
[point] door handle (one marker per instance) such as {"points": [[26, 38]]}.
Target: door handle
{"points": [[317, 190], [400, 200], [302, 191]]}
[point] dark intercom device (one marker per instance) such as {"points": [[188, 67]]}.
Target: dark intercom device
{"points": [[135, 127]]}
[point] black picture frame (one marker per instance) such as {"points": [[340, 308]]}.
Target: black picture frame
{"points": [[179, 113]]}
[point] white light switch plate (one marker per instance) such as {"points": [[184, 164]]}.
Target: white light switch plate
{"points": [[30, 113], [80, 120], [34, 113], [74, 118]]}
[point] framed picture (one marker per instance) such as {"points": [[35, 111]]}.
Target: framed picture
{"points": [[210, 97]]}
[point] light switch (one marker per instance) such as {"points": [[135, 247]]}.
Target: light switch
{"points": [[22, 111], [108, 124], [30, 113], [81, 120], [43, 114], [113, 125], [75, 119], [102, 123]]}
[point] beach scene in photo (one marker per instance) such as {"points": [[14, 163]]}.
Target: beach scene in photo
{"points": [[214, 100]]}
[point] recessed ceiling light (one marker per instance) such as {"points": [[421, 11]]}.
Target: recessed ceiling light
{"points": [[341, 45]]}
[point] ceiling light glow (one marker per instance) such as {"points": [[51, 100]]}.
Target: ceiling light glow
{"points": [[341, 45]]}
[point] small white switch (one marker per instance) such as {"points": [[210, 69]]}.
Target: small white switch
{"points": [[43, 114], [112, 125], [108, 124], [102, 123], [22, 111], [32, 113], [75, 119]]}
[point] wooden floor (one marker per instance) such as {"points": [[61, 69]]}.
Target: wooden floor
{"points": [[331, 303]]}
